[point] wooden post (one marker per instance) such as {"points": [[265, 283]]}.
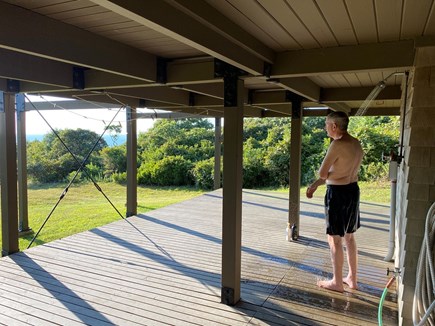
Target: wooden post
{"points": [[8, 174], [23, 217], [217, 153], [295, 171], [131, 162], [232, 191]]}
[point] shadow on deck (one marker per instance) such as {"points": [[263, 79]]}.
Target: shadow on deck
{"points": [[163, 267]]}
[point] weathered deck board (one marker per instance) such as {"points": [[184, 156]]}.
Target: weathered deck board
{"points": [[164, 267]]}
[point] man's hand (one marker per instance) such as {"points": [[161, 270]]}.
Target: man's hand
{"points": [[310, 191]]}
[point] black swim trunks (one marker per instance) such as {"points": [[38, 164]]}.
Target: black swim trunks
{"points": [[342, 209]]}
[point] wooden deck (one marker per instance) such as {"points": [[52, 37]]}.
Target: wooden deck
{"points": [[163, 267]]}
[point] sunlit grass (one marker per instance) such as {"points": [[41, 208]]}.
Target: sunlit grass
{"points": [[84, 207]]}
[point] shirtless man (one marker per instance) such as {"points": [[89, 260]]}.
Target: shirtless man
{"points": [[339, 170]]}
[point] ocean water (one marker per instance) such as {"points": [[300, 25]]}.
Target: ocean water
{"points": [[121, 139]]}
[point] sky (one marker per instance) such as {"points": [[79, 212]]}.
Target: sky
{"points": [[95, 119]]}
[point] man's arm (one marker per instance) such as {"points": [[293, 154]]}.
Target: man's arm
{"points": [[313, 187], [330, 158]]}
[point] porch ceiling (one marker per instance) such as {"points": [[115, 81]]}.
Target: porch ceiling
{"points": [[161, 54]]}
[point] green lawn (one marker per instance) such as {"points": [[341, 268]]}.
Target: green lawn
{"points": [[84, 207]]}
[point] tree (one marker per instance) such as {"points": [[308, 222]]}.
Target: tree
{"points": [[50, 161], [174, 144], [379, 136], [114, 159]]}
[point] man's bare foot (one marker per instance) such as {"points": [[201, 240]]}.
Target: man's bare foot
{"points": [[330, 285], [352, 284]]}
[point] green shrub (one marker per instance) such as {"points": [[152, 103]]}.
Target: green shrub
{"points": [[119, 177], [144, 174], [203, 174], [172, 171]]}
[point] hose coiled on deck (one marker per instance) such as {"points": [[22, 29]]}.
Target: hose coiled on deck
{"points": [[424, 295]]}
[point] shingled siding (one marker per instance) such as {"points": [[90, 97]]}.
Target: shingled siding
{"points": [[416, 177]]}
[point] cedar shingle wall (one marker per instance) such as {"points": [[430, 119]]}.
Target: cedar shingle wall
{"points": [[416, 179]]}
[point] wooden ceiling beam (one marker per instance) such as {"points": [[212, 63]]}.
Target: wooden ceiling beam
{"points": [[208, 15], [169, 20], [48, 38], [344, 59], [215, 90], [358, 94], [24, 67], [302, 86], [159, 94]]}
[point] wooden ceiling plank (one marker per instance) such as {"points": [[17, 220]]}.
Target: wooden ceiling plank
{"points": [[76, 13], [390, 55], [364, 78], [256, 12], [174, 23], [389, 15], [56, 8], [338, 20], [229, 9], [319, 81], [285, 16], [363, 18], [352, 80], [415, 18], [340, 80], [309, 13], [39, 35]]}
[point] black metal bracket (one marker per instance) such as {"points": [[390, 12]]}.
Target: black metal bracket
{"points": [[267, 69], [2, 102], [79, 78], [223, 69], [231, 75], [191, 99], [142, 103], [12, 85], [250, 96], [227, 296], [296, 101], [230, 91], [162, 70]]}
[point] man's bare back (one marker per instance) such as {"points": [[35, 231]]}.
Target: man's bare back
{"points": [[342, 161]]}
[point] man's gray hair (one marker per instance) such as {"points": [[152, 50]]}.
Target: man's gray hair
{"points": [[340, 118]]}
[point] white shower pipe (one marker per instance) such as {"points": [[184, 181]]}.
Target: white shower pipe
{"points": [[393, 179]]}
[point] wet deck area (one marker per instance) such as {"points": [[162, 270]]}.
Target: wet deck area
{"points": [[163, 268]]}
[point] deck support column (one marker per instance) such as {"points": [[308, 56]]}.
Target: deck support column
{"points": [[217, 153], [295, 170], [232, 190], [8, 174], [23, 217], [131, 162]]}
